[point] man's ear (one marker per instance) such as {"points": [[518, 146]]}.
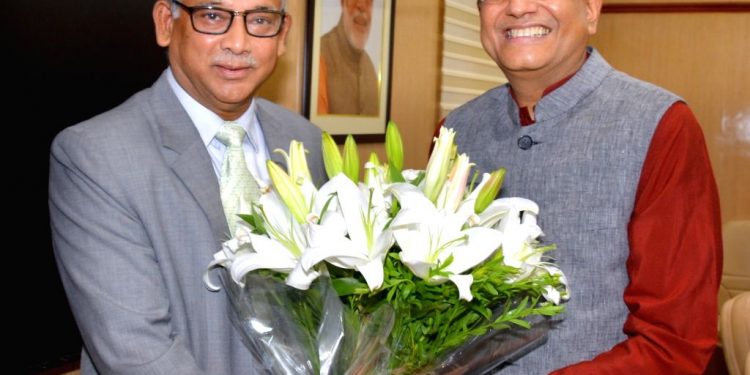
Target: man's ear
{"points": [[163, 22], [283, 35], [593, 10]]}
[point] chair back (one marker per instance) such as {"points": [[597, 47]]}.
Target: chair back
{"points": [[735, 334], [736, 274]]}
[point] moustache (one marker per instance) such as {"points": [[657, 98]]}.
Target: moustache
{"points": [[232, 59]]}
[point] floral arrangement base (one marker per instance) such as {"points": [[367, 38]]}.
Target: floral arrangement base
{"points": [[494, 349], [268, 313]]}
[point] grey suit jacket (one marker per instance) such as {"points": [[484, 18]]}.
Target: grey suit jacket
{"points": [[136, 216]]}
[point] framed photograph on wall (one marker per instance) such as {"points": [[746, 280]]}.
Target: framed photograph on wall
{"points": [[348, 67]]}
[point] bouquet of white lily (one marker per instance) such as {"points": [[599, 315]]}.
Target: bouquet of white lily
{"points": [[408, 271]]}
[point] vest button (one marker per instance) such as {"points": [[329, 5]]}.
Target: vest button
{"points": [[525, 142]]}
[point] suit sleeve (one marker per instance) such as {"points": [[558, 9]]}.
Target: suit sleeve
{"points": [[109, 270], [675, 259]]}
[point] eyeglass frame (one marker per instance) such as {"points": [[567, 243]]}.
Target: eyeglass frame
{"points": [[233, 13]]}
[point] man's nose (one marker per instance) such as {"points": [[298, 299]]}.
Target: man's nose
{"points": [[518, 8], [236, 38]]}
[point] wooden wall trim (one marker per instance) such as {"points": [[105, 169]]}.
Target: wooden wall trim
{"points": [[726, 7]]}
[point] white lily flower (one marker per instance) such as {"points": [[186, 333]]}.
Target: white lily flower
{"points": [[520, 230], [230, 249], [428, 237], [281, 250], [290, 229], [368, 241], [286, 241], [516, 218]]}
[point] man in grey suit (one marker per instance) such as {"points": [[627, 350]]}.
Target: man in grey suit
{"points": [[134, 195]]}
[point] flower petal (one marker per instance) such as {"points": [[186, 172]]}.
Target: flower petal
{"points": [[415, 247], [383, 242], [270, 248], [410, 197], [216, 263], [481, 244], [372, 271], [249, 262], [351, 202], [323, 235], [463, 283], [300, 278], [417, 264], [338, 253], [551, 294]]}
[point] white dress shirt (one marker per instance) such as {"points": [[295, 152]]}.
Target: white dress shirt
{"points": [[208, 123]]}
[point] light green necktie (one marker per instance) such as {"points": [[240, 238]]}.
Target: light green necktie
{"points": [[237, 186]]}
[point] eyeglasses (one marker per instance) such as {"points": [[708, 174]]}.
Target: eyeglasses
{"points": [[208, 19]]}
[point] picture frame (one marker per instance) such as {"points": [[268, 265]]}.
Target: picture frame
{"points": [[344, 98]]}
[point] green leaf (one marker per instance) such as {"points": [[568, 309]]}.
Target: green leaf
{"points": [[521, 322], [482, 310], [345, 286], [491, 289]]}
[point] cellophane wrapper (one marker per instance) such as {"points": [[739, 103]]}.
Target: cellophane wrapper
{"points": [[291, 331]]}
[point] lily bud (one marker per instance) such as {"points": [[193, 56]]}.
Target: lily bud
{"points": [[394, 148], [331, 156], [489, 190], [289, 192], [371, 169], [454, 188], [297, 163], [437, 166], [374, 159], [351, 159]]}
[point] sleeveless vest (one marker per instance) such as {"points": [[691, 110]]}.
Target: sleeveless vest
{"points": [[581, 162]]}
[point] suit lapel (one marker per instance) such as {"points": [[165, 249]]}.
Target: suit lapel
{"points": [[276, 138], [187, 155]]}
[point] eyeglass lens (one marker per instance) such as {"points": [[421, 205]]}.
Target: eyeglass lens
{"points": [[218, 21]]}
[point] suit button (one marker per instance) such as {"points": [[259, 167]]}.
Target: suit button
{"points": [[525, 142]]}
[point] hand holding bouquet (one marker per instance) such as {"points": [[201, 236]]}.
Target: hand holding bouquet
{"points": [[392, 274]]}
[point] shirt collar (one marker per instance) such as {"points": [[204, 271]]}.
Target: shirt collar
{"points": [[206, 121]]}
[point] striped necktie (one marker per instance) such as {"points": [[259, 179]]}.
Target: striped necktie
{"points": [[237, 186]]}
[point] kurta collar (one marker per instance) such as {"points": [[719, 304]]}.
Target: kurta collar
{"points": [[567, 95]]}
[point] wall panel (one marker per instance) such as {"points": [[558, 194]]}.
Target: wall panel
{"points": [[703, 57]]}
